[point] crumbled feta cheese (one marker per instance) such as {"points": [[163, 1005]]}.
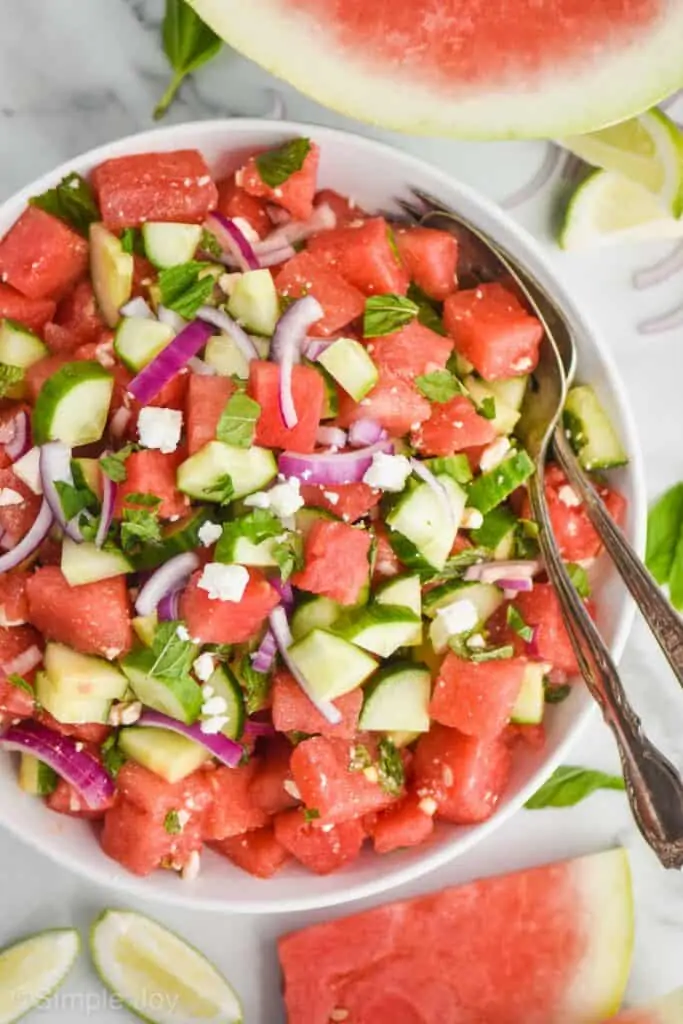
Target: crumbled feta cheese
{"points": [[472, 519], [290, 787], [285, 499], [568, 496], [239, 178], [182, 632], [459, 617], [224, 582], [8, 496], [131, 712], [191, 870], [260, 499], [476, 642], [207, 691], [203, 667], [494, 454], [27, 468], [428, 806], [160, 428], [338, 1015], [332, 497], [204, 180], [212, 726], [371, 773], [523, 365], [227, 282], [388, 472], [209, 533], [214, 706], [183, 818], [78, 747]]}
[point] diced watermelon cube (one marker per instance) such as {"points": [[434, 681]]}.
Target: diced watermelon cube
{"points": [[32, 313], [174, 186], [295, 194], [540, 609], [257, 852], [304, 274], [410, 352], [13, 600], [344, 209], [493, 331], [67, 800], [320, 768], [308, 392], [206, 400], [321, 852], [294, 712], [149, 792], [476, 698], [77, 321], [234, 201], [466, 775], [403, 825], [94, 733], [267, 789], [140, 842], [394, 403], [431, 258], [153, 472], [233, 810], [94, 618], [228, 622], [13, 644], [336, 561], [41, 256], [41, 371], [349, 502], [363, 255], [17, 520], [452, 427]]}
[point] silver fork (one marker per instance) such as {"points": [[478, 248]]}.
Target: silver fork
{"points": [[654, 788]]}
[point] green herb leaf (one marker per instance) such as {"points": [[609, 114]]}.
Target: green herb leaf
{"points": [[439, 386], [569, 785], [221, 491], [173, 656], [256, 685], [427, 310], [311, 813], [555, 694], [456, 565], [256, 527], [188, 44], [147, 500], [194, 298], [77, 497], [210, 245], [456, 466], [517, 623], [579, 577], [113, 759], [139, 527], [182, 290], [487, 408], [492, 653], [238, 421], [296, 736], [289, 555], [664, 528], [114, 464], [9, 376], [390, 768], [131, 241], [359, 758], [20, 683], [277, 165], [172, 823], [385, 314], [71, 201]]}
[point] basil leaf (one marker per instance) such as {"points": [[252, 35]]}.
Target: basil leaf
{"points": [[114, 464], [517, 623], [237, 424], [188, 44], [390, 767], [664, 527], [276, 166], [72, 201], [439, 386], [579, 577], [385, 314], [676, 577], [172, 823], [427, 310], [9, 376], [569, 785]]}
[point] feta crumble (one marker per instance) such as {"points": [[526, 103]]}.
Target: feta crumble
{"points": [[214, 706], [8, 496], [182, 633], [160, 428], [494, 454], [458, 617], [388, 472], [332, 497], [203, 667], [27, 468], [224, 582], [568, 496], [209, 533], [283, 500], [212, 726], [472, 519]]}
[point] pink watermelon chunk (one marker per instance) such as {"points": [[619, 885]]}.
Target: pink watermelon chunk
{"points": [[567, 933], [668, 1010]]}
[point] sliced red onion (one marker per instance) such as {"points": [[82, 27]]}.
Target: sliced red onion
{"points": [[331, 436], [18, 439], [55, 467], [170, 576], [218, 318], [172, 319], [218, 745], [233, 239], [420, 470], [201, 368], [24, 662], [119, 421], [323, 218], [283, 636], [332, 467], [168, 609], [494, 572], [365, 432], [138, 308], [262, 659], [313, 348], [272, 257], [255, 729], [169, 362], [286, 346], [71, 760], [285, 591], [109, 490], [519, 585]]}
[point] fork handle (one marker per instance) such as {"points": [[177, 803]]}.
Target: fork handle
{"points": [[653, 786], [666, 626]]}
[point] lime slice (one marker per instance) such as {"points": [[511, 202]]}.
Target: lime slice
{"points": [[647, 150], [157, 975], [33, 969], [608, 208]]}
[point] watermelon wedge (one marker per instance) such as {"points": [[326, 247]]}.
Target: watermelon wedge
{"points": [[668, 1010], [483, 69], [551, 945]]}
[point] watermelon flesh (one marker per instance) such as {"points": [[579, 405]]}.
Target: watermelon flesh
{"points": [[668, 1010], [568, 939]]}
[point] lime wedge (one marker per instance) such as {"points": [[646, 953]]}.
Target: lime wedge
{"points": [[31, 970], [608, 208], [647, 150], [157, 975]]}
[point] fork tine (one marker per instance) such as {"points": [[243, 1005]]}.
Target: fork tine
{"points": [[431, 203], [411, 210]]}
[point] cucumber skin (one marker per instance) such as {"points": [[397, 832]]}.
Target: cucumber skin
{"points": [[494, 486], [56, 388]]}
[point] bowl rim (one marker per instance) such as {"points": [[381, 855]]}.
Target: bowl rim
{"points": [[518, 238]]}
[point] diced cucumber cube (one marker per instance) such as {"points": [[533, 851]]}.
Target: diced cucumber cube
{"points": [[19, 346], [83, 675], [111, 270], [331, 665], [590, 431], [36, 777], [145, 627], [505, 420], [509, 392], [418, 516], [497, 484], [379, 628], [176, 696], [168, 245], [398, 699], [67, 708], [137, 341], [485, 597], [226, 357], [254, 302], [171, 756], [530, 704], [86, 563], [405, 591], [250, 469], [349, 363], [314, 613], [497, 532], [73, 404]]}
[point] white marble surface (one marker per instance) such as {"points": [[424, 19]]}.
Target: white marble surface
{"points": [[75, 73]]}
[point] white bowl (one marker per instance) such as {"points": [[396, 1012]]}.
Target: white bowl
{"points": [[372, 174]]}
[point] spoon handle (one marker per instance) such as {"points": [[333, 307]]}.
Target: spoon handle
{"points": [[654, 788]]}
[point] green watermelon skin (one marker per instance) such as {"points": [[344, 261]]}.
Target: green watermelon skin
{"points": [[668, 1010]]}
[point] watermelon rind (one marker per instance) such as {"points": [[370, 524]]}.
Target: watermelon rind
{"points": [[610, 85], [667, 1010]]}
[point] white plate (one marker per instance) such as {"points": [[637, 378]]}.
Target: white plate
{"points": [[372, 174]]}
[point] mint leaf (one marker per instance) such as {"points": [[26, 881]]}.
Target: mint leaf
{"points": [[173, 655], [113, 758], [569, 785], [517, 623], [221, 491], [20, 683], [256, 685], [182, 290], [385, 314], [210, 245], [237, 424], [9, 376], [276, 166], [76, 497], [439, 386], [359, 758], [147, 500], [579, 577], [427, 310], [114, 464], [390, 768], [188, 44], [492, 653], [72, 201], [139, 527], [311, 813], [487, 408], [289, 556], [256, 527], [664, 528], [131, 241], [172, 823], [194, 298], [555, 694]]}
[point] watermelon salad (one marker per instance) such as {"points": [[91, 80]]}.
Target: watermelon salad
{"points": [[268, 581]]}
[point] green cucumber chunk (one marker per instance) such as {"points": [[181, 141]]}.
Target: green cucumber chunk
{"points": [[111, 270], [530, 704], [486, 597], [505, 419], [331, 665], [169, 245], [19, 346], [36, 777], [86, 563], [226, 357], [405, 591], [590, 431], [421, 531], [145, 626], [82, 675], [202, 475], [398, 699], [232, 548], [497, 532], [348, 362], [254, 302], [379, 628], [168, 754], [69, 708], [73, 404], [176, 538], [225, 685], [306, 518], [510, 391], [314, 613], [178, 697], [330, 393], [137, 341], [497, 484], [456, 466]]}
